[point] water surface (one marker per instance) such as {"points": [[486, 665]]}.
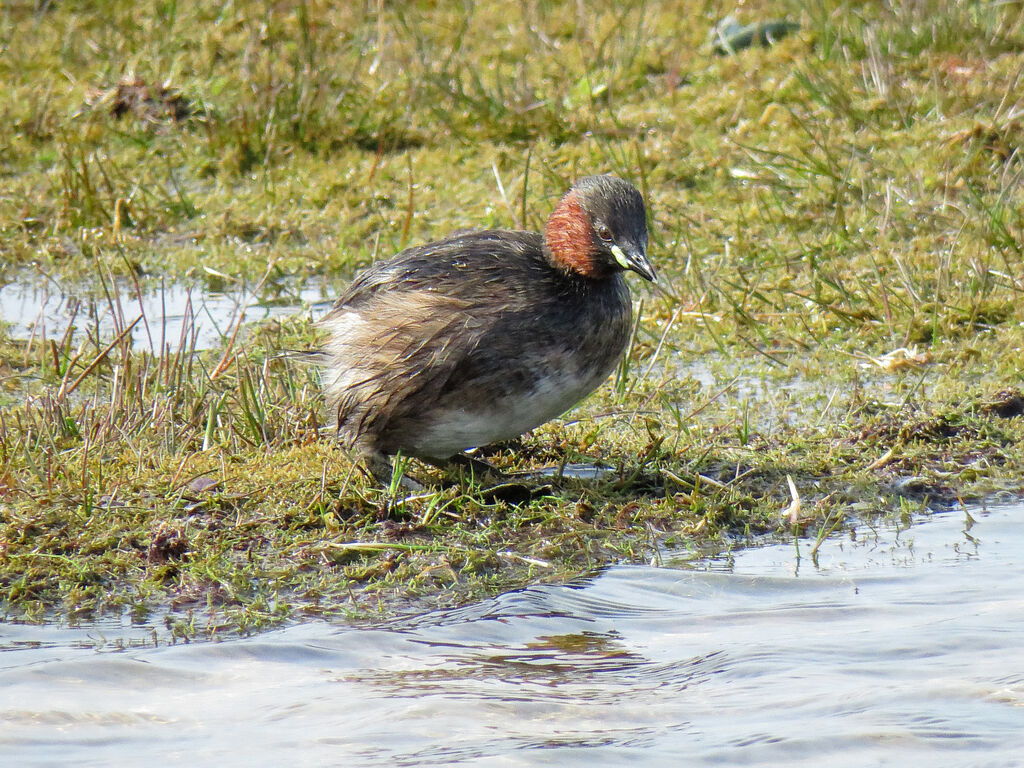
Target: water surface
{"points": [[901, 646], [173, 313]]}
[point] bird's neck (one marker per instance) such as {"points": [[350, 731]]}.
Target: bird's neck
{"points": [[568, 242]]}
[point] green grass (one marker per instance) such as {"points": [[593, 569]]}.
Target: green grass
{"points": [[852, 190]]}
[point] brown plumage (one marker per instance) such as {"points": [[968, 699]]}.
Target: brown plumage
{"points": [[482, 336]]}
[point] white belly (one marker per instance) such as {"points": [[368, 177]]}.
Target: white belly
{"points": [[457, 429]]}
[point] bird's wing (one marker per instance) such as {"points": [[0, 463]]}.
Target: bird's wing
{"points": [[393, 353], [443, 266]]}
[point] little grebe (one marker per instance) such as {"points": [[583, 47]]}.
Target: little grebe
{"points": [[483, 336]]}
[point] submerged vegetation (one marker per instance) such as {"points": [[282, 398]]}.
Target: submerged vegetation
{"points": [[838, 220]]}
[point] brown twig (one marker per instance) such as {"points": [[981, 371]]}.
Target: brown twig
{"points": [[67, 390]]}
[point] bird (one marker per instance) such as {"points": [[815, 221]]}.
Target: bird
{"points": [[482, 336]]}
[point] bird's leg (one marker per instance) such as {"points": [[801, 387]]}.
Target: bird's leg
{"points": [[381, 470], [378, 467], [501, 486], [477, 467]]}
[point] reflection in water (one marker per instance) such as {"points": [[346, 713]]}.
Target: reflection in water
{"points": [[174, 314], [898, 648]]}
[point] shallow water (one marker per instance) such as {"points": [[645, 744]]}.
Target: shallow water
{"points": [[46, 309], [899, 647]]}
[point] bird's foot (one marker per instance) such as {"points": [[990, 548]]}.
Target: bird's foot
{"points": [[497, 485]]}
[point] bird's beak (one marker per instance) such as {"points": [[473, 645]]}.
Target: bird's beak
{"points": [[636, 260]]}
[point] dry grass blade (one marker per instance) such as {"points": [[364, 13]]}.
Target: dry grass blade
{"points": [[64, 391]]}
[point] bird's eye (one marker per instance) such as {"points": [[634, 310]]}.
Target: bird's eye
{"points": [[604, 233]]}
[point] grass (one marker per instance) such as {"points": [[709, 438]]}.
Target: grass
{"points": [[853, 190]]}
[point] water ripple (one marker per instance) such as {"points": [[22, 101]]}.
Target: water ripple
{"points": [[895, 649]]}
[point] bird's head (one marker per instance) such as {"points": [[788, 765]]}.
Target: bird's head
{"points": [[598, 228]]}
